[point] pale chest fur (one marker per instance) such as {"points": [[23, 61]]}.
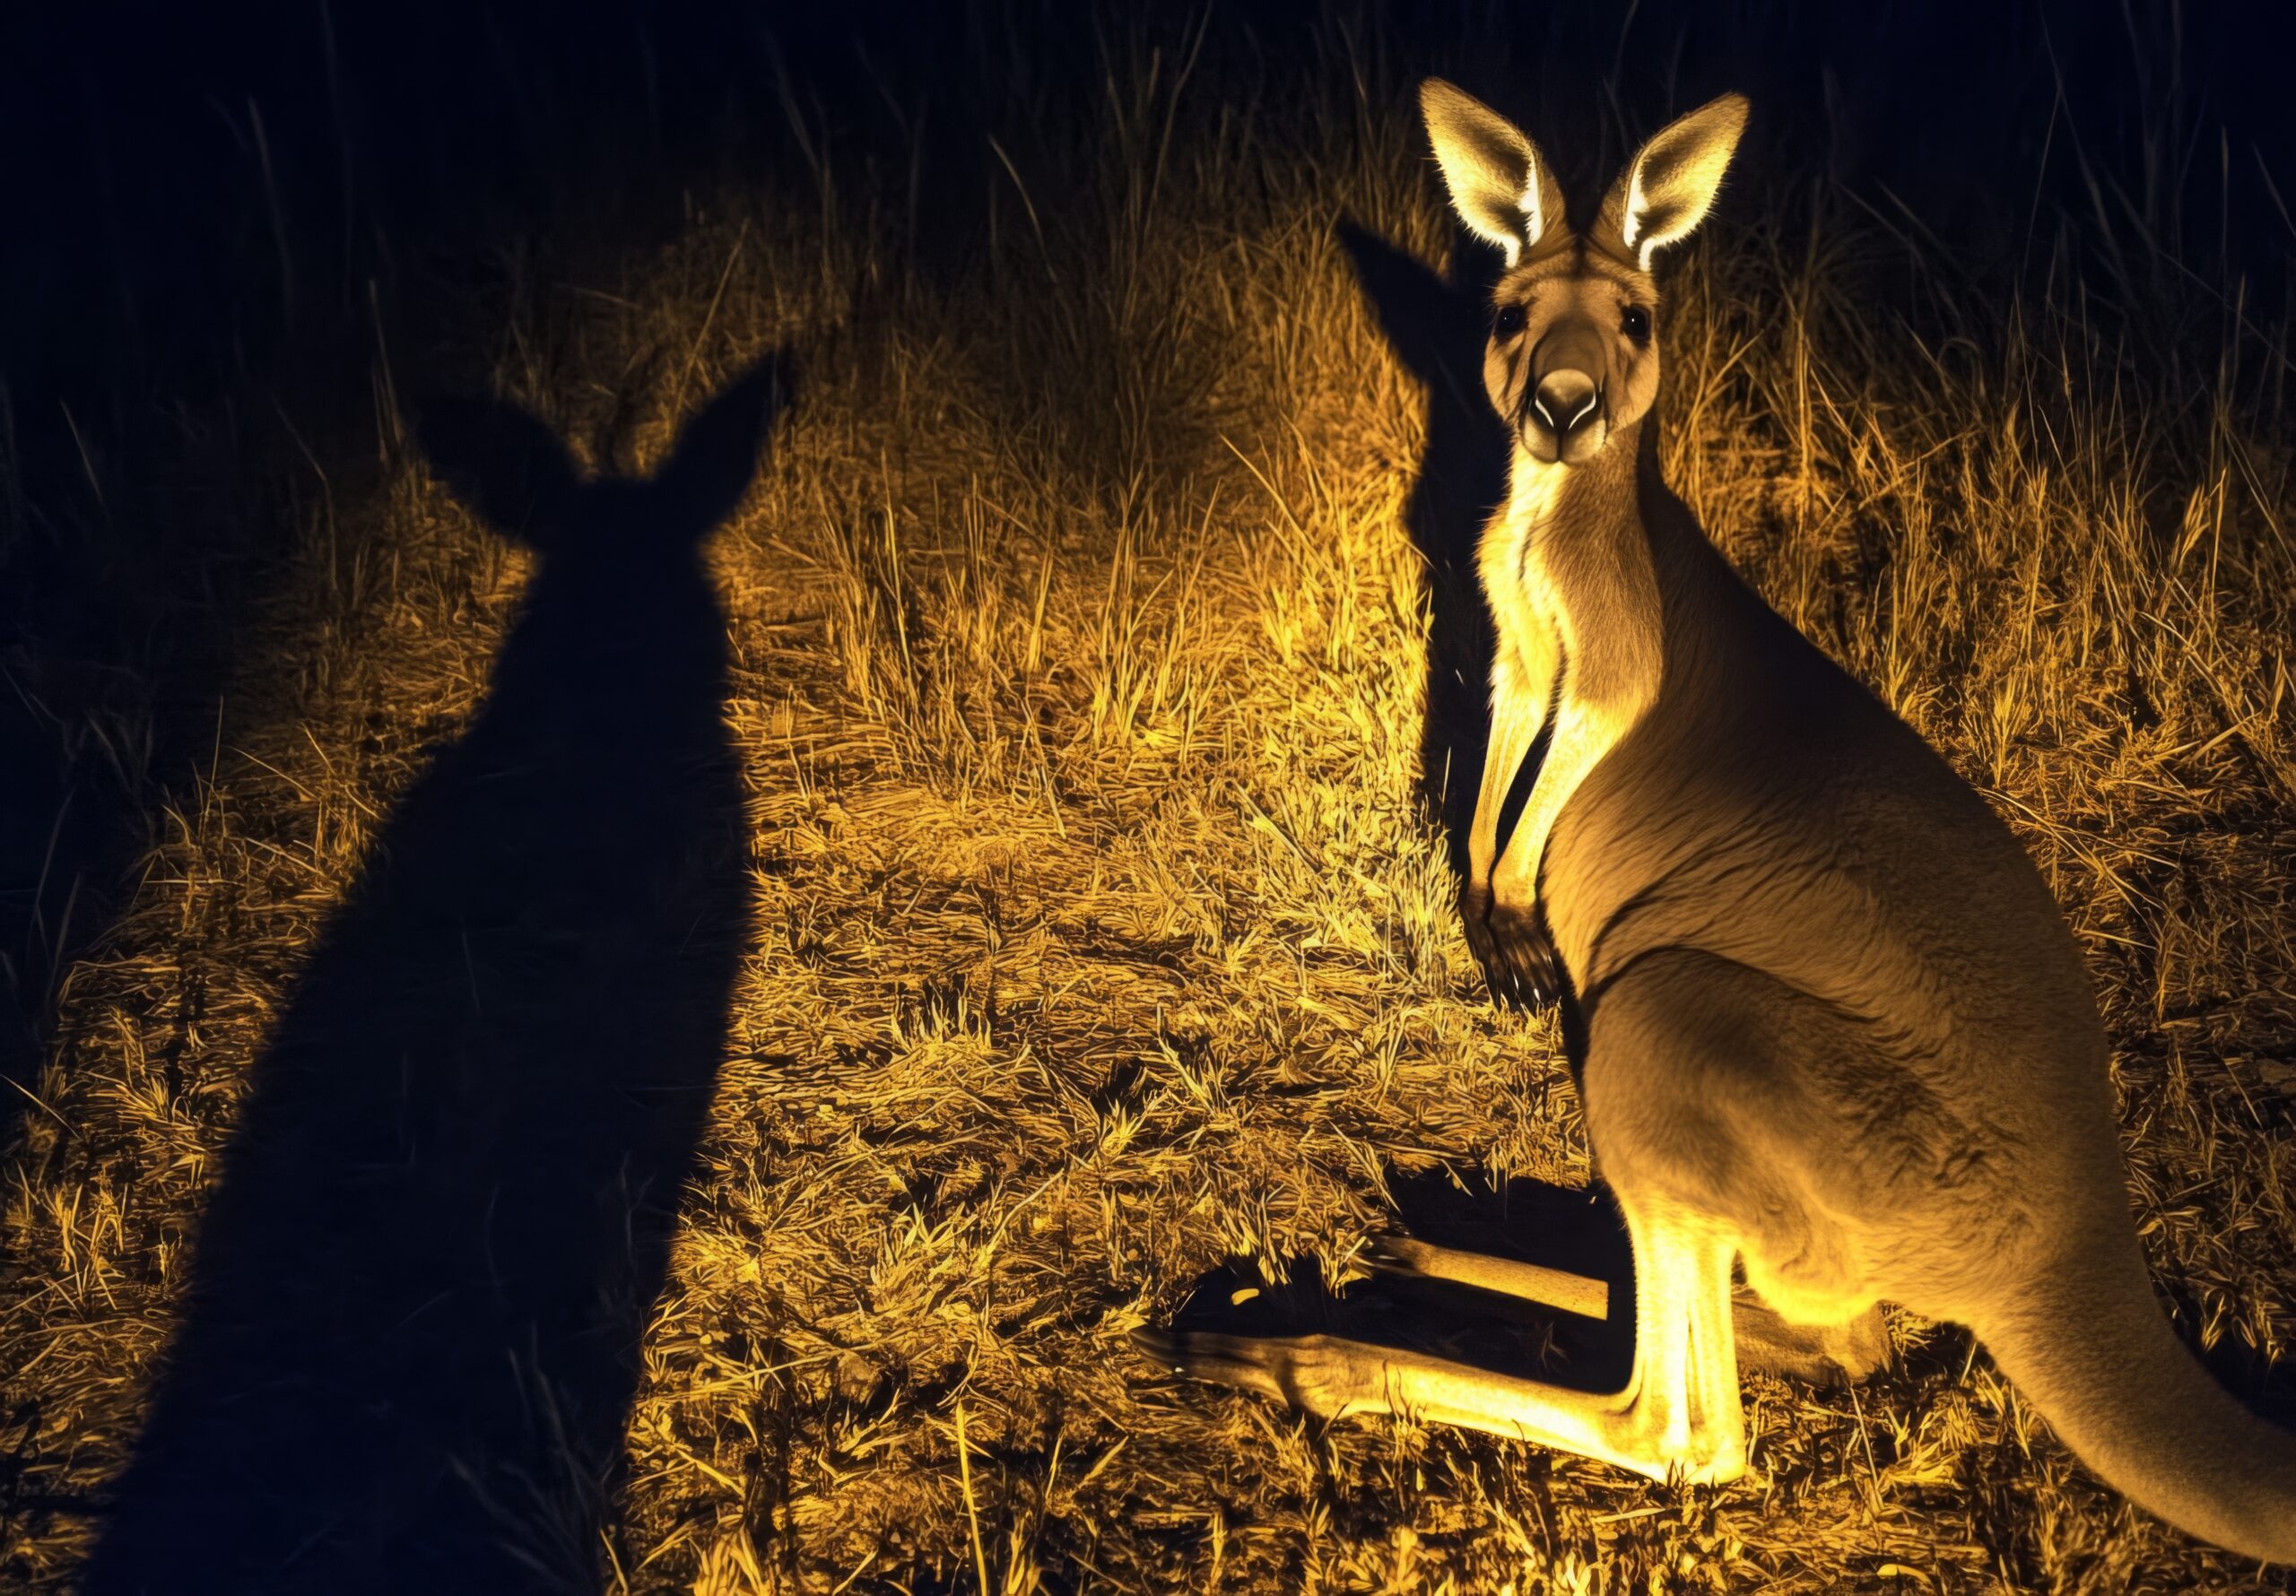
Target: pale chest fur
{"points": [[1567, 571], [1534, 625]]}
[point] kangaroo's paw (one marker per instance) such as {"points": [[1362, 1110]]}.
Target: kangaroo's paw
{"points": [[1519, 959], [1822, 1355]]}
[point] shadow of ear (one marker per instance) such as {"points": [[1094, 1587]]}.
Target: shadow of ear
{"points": [[500, 461], [513, 471], [715, 458], [1433, 322]]}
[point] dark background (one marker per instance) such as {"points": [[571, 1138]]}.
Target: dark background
{"points": [[215, 220]]}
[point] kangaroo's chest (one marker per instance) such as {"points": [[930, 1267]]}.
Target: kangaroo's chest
{"points": [[1568, 576], [1530, 613], [1574, 604]]}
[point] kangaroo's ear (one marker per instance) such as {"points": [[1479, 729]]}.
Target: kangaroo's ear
{"points": [[501, 462], [1666, 191], [715, 458], [1499, 185]]}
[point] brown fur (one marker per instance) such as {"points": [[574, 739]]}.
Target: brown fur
{"points": [[1829, 1000]]}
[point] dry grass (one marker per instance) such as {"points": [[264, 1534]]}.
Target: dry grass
{"points": [[1099, 935]]}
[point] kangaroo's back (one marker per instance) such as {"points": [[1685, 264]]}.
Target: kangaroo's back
{"points": [[1769, 808], [1769, 812]]}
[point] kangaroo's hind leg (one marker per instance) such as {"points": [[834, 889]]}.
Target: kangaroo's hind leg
{"points": [[1678, 1415], [1767, 1341], [1679, 1082]]}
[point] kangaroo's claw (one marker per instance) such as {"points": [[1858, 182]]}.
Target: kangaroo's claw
{"points": [[1387, 1252], [1160, 1346]]}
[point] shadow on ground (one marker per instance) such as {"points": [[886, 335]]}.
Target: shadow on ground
{"points": [[1575, 1230], [1438, 325], [410, 1338]]}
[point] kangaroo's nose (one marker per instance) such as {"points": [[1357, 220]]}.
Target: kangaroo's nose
{"points": [[1564, 419], [1565, 400]]}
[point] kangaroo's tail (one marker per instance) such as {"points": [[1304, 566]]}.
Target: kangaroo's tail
{"points": [[2089, 1345]]}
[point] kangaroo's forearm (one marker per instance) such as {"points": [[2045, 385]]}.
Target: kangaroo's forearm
{"points": [[1582, 735], [1525, 680], [1516, 721]]}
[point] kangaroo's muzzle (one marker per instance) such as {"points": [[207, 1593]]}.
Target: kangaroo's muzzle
{"points": [[1564, 419]]}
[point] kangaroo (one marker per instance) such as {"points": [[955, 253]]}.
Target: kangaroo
{"points": [[1827, 1018]]}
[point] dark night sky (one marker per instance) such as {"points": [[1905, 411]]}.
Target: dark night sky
{"points": [[139, 218]]}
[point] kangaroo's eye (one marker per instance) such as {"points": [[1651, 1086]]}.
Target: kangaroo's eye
{"points": [[1635, 322], [1508, 321]]}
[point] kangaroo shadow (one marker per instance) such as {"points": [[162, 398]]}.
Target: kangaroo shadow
{"points": [[1577, 1231], [410, 1338], [1438, 325]]}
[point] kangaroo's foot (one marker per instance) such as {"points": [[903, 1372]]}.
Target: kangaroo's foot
{"points": [[1335, 1378], [1824, 1354]]}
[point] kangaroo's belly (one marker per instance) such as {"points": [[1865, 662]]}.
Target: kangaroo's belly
{"points": [[1844, 858]]}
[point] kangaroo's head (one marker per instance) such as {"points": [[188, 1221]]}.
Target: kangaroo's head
{"points": [[1573, 357]]}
